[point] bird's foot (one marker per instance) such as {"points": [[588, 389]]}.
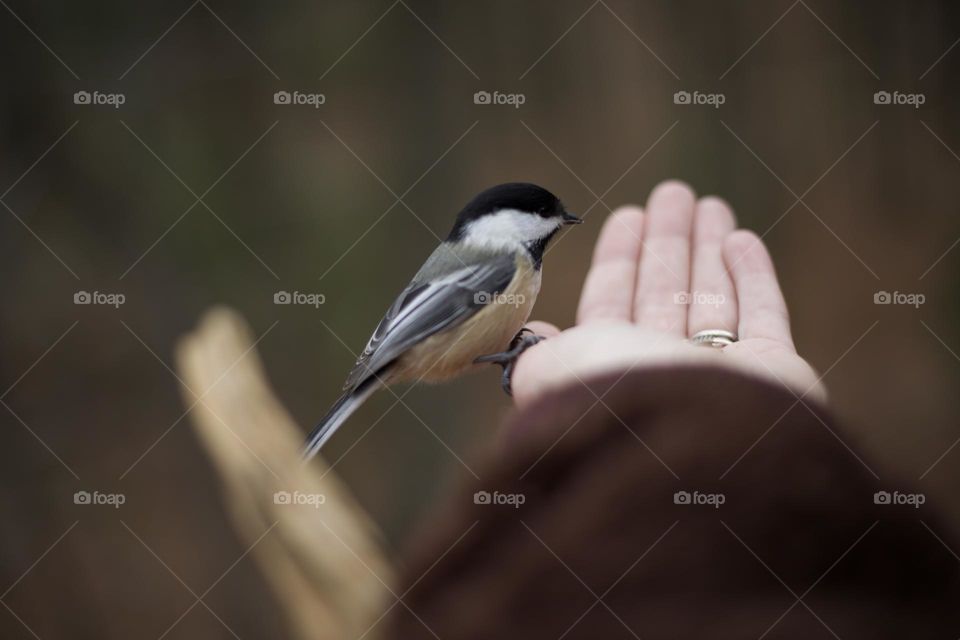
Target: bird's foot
{"points": [[507, 359]]}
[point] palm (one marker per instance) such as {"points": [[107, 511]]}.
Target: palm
{"points": [[659, 277]]}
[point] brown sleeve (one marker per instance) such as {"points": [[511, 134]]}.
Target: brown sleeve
{"points": [[604, 546]]}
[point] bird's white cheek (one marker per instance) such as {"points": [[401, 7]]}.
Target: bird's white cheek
{"points": [[509, 228]]}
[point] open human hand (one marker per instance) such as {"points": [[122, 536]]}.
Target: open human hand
{"points": [[658, 277]]}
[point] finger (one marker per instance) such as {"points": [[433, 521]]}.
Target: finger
{"points": [[664, 272], [762, 309], [543, 329], [713, 303], [608, 289]]}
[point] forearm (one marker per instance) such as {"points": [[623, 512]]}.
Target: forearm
{"points": [[776, 497]]}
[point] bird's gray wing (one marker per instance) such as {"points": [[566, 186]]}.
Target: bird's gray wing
{"points": [[429, 306]]}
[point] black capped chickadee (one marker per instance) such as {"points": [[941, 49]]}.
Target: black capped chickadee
{"points": [[468, 302]]}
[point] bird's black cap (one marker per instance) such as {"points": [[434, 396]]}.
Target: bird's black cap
{"points": [[523, 196]]}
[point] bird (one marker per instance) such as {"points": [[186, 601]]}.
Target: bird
{"points": [[466, 306]]}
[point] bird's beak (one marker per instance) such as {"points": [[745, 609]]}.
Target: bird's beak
{"points": [[569, 218]]}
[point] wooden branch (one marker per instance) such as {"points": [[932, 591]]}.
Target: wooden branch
{"points": [[322, 557]]}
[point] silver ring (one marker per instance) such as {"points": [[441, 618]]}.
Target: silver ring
{"points": [[716, 338]]}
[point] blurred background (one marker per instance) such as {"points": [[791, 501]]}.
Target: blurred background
{"points": [[178, 182]]}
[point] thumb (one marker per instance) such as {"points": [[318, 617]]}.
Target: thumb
{"points": [[540, 328]]}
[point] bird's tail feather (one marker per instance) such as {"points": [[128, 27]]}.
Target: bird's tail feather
{"points": [[339, 412]]}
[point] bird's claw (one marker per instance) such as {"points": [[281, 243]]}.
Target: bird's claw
{"points": [[507, 359]]}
